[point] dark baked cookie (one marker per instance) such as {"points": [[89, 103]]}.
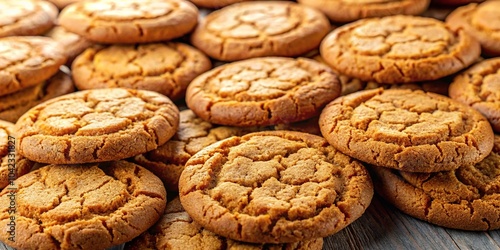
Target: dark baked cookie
{"points": [[26, 17], [96, 125], [262, 91], [92, 206], [408, 130], [274, 187]]}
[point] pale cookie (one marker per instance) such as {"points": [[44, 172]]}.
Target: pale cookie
{"points": [[193, 134], [27, 61], [72, 44], [96, 125], [177, 231], [91, 206], [12, 165], [479, 87], [166, 68], [262, 91], [13, 106], [398, 49], [466, 198], [255, 29], [344, 11], [129, 21], [63, 3], [26, 17], [482, 22], [274, 187], [409, 130]]}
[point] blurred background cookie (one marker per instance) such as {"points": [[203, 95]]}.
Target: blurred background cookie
{"points": [[26, 17]]}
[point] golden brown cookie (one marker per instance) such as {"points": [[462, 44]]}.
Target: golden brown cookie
{"points": [[177, 231], [262, 91], [193, 134], [72, 44], [408, 130], [166, 68], [274, 187], [466, 198], [398, 49], [129, 21], [26, 17], [91, 206], [255, 29], [479, 88], [455, 2], [27, 61], [481, 21], [13, 106], [12, 165], [212, 4], [344, 11], [96, 125], [63, 3]]}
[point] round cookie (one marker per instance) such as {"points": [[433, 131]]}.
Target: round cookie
{"points": [[193, 134], [481, 21], [96, 125], [13, 106], [262, 91], [466, 198], [91, 206], [344, 11], [166, 68], [274, 187], [129, 21], [398, 49], [12, 165], [212, 4], [35, 60], [408, 130], [177, 231], [478, 87], [256, 29], [26, 17], [72, 44], [63, 3]]}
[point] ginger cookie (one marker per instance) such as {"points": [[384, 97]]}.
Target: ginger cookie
{"points": [[166, 68], [256, 29], [212, 4], [177, 231], [91, 206], [26, 17], [398, 49], [72, 44], [35, 60], [455, 2], [13, 106], [96, 125], [63, 3], [193, 134], [344, 11], [466, 198], [274, 187], [12, 165], [408, 130], [129, 21], [479, 88], [481, 21], [262, 91]]}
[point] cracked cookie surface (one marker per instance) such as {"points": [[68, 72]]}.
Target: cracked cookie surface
{"points": [[166, 68], [13, 106], [96, 125], [27, 61], [262, 91], [256, 29], [409, 130], [274, 187], [130, 21], [193, 134], [26, 17], [343, 11], [481, 21], [466, 198], [177, 231], [479, 87], [398, 49], [91, 206]]}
